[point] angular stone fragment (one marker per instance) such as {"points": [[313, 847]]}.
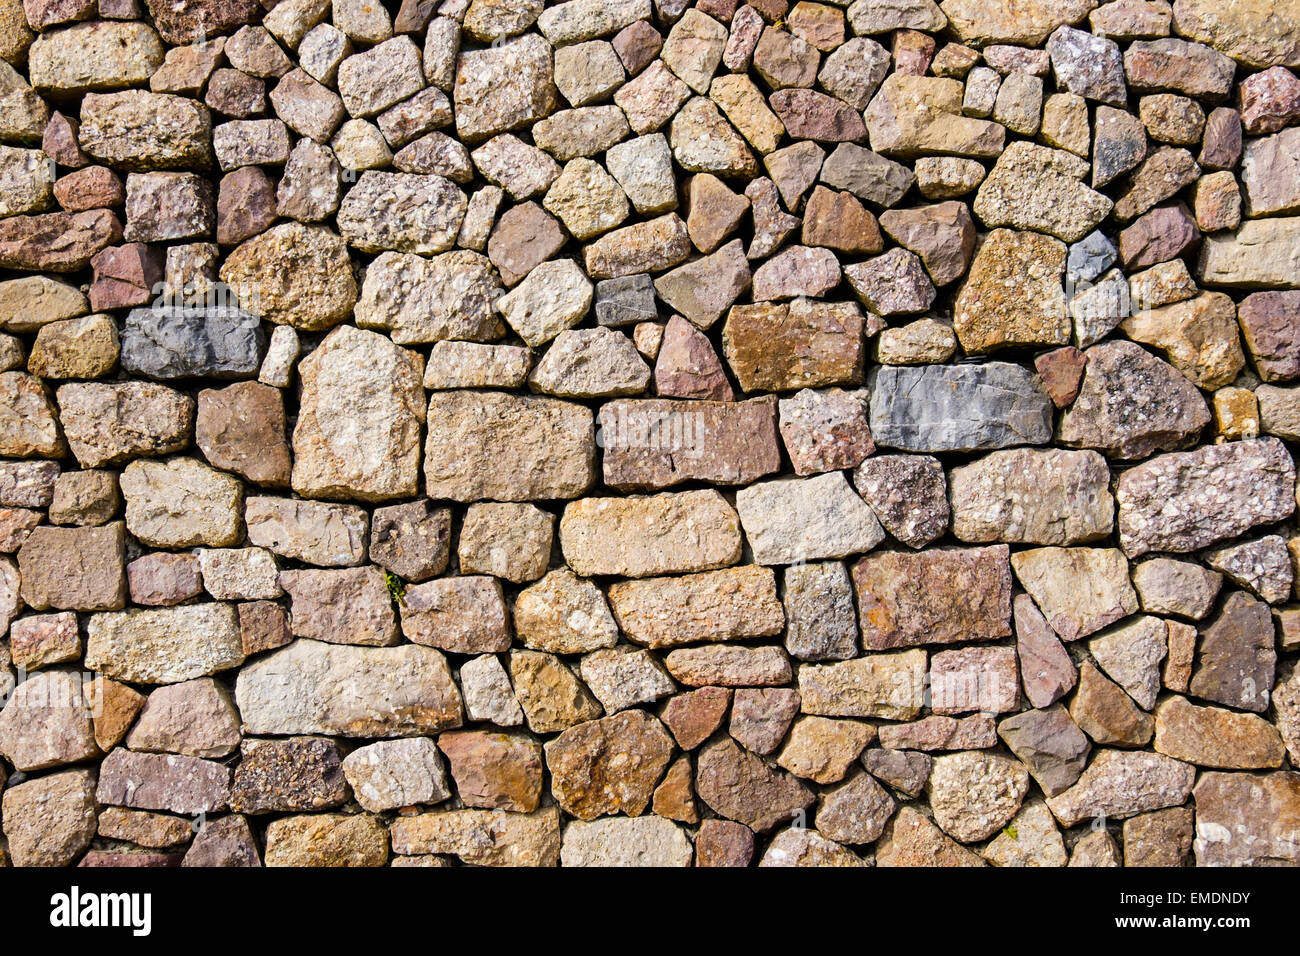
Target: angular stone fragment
{"points": [[169, 343], [608, 765], [345, 606], [1269, 323], [974, 794], [503, 87], [195, 718], [46, 722], [1214, 737], [740, 786], [914, 116], [551, 696], [226, 841], [422, 214], [1050, 744], [908, 494], [488, 694], [1032, 497], [314, 688], [138, 131], [326, 839], [1236, 659], [1055, 578], [1033, 187], [1263, 566], [1120, 784], [624, 677], [1220, 490]]}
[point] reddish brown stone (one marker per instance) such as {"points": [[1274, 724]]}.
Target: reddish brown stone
{"points": [[95, 187], [1221, 141], [687, 365], [74, 569], [263, 626], [741, 786], [1270, 324], [125, 276], [637, 44], [801, 344], [695, 715], [714, 211], [913, 52], [198, 19], [113, 707], [808, 114], [839, 221], [495, 770], [609, 765], [650, 444], [59, 142], [241, 428], [933, 597], [1269, 100], [57, 241], [1062, 372], [724, 843], [675, 796], [163, 579], [524, 237], [245, 205], [1164, 233]]}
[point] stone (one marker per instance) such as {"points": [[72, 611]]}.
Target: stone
{"points": [[1262, 566], [820, 344], [143, 828], [1054, 578], [1161, 235], [1262, 252], [1214, 737], [911, 839], [552, 697], [487, 692], [294, 275], [188, 785], [46, 722], [1209, 487], [310, 188], [165, 645], [892, 284], [138, 131], [590, 363], [263, 626], [564, 614], [608, 765], [40, 640], [837, 220], [503, 87], [182, 503], [1268, 325], [688, 367], [464, 615], [76, 348], [318, 533], [821, 749], [50, 821], [723, 605], [908, 494], [1050, 745], [511, 541], [483, 837], [912, 116], [973, 794], [414, 682], [1030, 839], [493, 770], [947, 177], [293, 774], [162, 579], [473, 365], [1046, 669], [876, 685], [796, 520], [168, 343], [525, 447], [1065, 123], [728, 666], [226, 841], [1037, 188], [76, 569], [761, 717], [552, 298], [326, 839], [1088, 65], [1103, 417], [675, 532], [417, 299], [942, 235], [423, 213], [1012, 268], [647, 841], [983, 679], [643, 169], [855, 812], [1236, 662], [241, 428], [739, 786], [623, 678], [1278, 414], [825, 430], [195, 718], [348, 606], [744, 106], [957, 407], [637, 45]]}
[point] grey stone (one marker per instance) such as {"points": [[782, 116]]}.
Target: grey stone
{"points": [[184, 341]]}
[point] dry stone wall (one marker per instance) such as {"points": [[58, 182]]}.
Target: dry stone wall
{"points": [[628, 432]]}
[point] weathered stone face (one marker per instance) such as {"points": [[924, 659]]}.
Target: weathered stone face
{"points": [[404, 412]]}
